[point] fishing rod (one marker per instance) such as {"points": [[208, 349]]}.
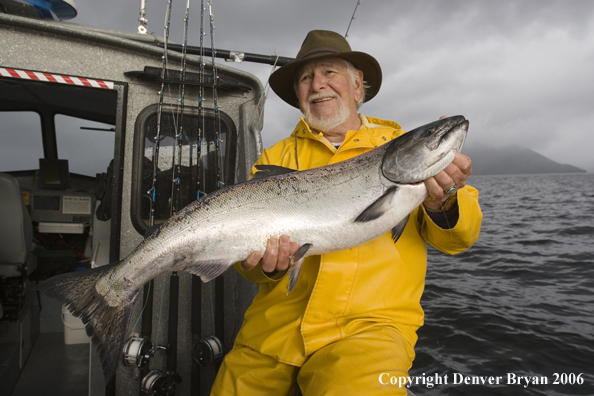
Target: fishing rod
{"points": [[201, 122], [152, 192], [166, 383], [215, 98], [139, 350], [142, 28], [352, 19], [196, 314], [176, 177], [232, 56], [207, 350], [218, 307]]}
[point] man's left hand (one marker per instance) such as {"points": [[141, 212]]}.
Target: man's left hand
{"points": [[454, 175]]}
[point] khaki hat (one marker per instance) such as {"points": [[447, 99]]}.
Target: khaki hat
{"points": [[325, 44]]}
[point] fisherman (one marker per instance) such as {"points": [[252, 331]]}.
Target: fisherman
{"points": [[353, 315]]}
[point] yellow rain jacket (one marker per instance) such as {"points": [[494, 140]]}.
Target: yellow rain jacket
{"points": [[345, 293]]}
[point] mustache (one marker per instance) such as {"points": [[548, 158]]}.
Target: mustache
{"points": [[318, 96]]}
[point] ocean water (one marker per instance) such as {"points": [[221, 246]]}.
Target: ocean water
{"points": [[520, 302]]}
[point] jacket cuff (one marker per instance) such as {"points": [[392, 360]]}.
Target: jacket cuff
{"points": [[447, 217], [466, 230], [256, 274]]}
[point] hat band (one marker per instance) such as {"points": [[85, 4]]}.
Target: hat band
{"points": [[320, 49]]}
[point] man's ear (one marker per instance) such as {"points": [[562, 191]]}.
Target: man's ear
{"points": [[359, 86]]}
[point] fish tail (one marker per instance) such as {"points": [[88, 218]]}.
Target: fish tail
{"points": [[105, 324]]}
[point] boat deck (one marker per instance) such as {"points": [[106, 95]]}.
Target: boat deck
{"points": [[55, 368], [49, 365]]}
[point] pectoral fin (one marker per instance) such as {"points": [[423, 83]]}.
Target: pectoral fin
{"points": [[206, 270], [296, 263], [378, 208], [300, 252], [399, 229]]}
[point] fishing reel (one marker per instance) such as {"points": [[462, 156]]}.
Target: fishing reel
{"points": [[138, 351], [158, 383], [207, 351]]}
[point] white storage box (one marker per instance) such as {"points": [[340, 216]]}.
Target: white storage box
{"points": [[74, 329]]}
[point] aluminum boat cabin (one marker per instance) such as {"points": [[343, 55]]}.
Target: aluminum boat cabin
{"points": [[90, 158]]}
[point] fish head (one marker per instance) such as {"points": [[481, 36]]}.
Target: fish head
{"points": [[425, 151]]}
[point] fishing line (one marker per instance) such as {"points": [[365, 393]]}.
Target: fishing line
{"points": [[143, 306], [217, 118]]}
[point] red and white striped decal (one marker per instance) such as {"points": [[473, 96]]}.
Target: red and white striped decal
{"points": [[30, 75]]}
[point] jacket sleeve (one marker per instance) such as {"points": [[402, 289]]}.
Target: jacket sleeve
{"points": [[466, 231]]}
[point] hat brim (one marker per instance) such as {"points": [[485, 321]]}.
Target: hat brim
{"points": [[282, 80]]}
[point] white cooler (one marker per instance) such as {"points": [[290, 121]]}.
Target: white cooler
{"points": [[74, 329]]}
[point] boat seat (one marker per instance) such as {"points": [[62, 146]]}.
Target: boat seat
{"points": [[16, 241]]}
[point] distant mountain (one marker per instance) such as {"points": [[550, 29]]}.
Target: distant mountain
{"points": [[513, 160]]}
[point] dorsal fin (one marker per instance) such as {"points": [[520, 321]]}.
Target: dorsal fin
{"points": [[151, 230], [270, 170]]}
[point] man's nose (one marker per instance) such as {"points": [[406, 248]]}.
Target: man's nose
{"points": [[318, 83]]}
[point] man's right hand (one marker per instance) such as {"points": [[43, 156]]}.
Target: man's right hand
{"points": [[276, 257]]}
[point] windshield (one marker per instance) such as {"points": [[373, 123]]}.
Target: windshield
{"points": [[87, 145], [22, 145]]}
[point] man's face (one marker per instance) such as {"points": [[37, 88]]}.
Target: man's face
{"points": [[326, 92]]}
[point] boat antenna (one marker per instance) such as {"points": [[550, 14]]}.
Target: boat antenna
{"points": [[142, 28], [352, 18]]}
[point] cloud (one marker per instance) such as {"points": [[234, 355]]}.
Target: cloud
{"points": [[519, 70]]}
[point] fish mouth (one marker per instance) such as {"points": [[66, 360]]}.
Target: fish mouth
{"points": [[448, 156], [462, 123], [441, 163]]}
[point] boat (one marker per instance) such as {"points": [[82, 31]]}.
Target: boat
{"points": [[104, 139]]}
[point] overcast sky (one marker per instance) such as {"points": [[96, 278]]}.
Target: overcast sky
{"points": [[520, 71]]}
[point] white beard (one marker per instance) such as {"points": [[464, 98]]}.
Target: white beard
{"points": [[324, 124]]}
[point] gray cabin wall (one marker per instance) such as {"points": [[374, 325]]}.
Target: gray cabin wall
{"points": [[69, 49]]}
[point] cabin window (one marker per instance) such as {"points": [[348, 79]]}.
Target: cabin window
{"points": [[183, 172], [87, 145], [22, 145]]}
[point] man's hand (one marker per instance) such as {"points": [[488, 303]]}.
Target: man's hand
{"points": [[277, 256], [454, 175]]}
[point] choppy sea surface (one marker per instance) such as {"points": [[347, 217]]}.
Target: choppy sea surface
{"points": [[520, 302]]}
